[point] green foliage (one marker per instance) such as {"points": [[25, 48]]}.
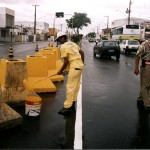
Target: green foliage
{"points": [[78, 21], [76, 38]]}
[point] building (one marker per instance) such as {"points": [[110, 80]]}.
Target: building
{"points": [[7, 24], [11, 31], [133, 20], [144, 25], [42, 30]]}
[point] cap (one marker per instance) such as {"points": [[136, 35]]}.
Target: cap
{"points": [[59, 34]]}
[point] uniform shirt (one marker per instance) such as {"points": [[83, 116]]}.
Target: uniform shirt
{"points": [[144, 51], [71, 50]]}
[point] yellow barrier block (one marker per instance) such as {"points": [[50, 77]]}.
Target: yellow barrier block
{"points": [[49, 49], [33, 84], [37, 66], [53, 65], [12, 72], [59, 61], [59, 64], [51, 59], [57, 51]]}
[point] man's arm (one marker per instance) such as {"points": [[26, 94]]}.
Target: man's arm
{"points": [[82, 55], [66, 62], [136, 67]]}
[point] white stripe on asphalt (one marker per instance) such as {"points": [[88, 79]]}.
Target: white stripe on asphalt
{"points": [[78, 124]]}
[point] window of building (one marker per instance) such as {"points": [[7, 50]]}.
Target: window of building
{"points": [[3, 33], [9, 20]]}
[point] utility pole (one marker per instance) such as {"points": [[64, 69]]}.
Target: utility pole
{"points": [[97, 30], [128, 11], [107, 24], [35, 22], [61, 27]]}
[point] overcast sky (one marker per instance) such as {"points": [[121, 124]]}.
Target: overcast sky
{"points": [[95, 9]]}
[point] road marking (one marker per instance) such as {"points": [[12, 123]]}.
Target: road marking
{"points": [[78, 124]]}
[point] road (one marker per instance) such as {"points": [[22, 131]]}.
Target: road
{"points": [[21, 50], [111, 117]]}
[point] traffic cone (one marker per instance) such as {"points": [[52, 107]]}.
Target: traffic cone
{"points": [[11, 52], [36, 49]]}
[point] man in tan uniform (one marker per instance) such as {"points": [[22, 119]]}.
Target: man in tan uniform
{"points": [[143, 54], [73, 58]]}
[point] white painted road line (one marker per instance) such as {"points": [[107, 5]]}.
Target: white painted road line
{"points": [[78, 123]]}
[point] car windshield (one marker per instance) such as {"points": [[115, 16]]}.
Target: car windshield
{"points": [[133, 42], [110, 43]]}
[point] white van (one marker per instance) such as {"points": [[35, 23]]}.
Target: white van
{"points": [[127, 46]]}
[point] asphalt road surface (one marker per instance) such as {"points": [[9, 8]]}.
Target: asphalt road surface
{"points": [[111, 118]]}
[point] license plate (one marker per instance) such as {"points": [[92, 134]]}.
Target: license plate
{"points": [[111, 50]]}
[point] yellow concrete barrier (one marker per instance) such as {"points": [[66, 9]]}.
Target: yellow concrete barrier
{"points": [[37, 68], [12, 74], [54, 62], [51, 58]]}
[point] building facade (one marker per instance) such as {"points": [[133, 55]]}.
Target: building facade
{"points": [[11, 31], [144, 25], [7, 24]]}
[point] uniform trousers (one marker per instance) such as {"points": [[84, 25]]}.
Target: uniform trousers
{"points": [[145, 84], [72, 86]]}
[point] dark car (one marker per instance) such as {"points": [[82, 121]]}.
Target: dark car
{"points": [[107, 48], [92, 40]]}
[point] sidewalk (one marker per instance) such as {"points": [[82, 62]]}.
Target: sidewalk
{"points": [[2, 43]]}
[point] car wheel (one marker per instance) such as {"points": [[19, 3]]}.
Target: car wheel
{"points": [[100, 55], [125, 51], [117, 58], [94, 54]]}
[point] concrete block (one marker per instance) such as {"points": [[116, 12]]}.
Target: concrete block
{"points": [[51, 58], [8, 117], [35, 84], [12, 73], [37, 66]]}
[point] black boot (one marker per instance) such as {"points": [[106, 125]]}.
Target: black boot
{"points": [[65, 111], [73, 107]]}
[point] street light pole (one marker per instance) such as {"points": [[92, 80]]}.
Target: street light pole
{"points": [[107, 24], [128, 11], [35, 23]]}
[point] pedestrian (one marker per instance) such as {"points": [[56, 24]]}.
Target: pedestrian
{"points": [[73, 60], [143, 57]]}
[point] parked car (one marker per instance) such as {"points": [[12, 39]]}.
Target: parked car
{"points": [[127, 46], [107, 48], [92, 40]]}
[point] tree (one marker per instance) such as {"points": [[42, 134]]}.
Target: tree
{"points": [[78, 21]]}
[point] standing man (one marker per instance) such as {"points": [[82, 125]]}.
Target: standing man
{"points": [[143, 54], [73, 58]]}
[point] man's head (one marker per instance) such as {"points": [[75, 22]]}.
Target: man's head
{"points": [[61, 37]]}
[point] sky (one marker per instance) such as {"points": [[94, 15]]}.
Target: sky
{"points": [[96, 10]]}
